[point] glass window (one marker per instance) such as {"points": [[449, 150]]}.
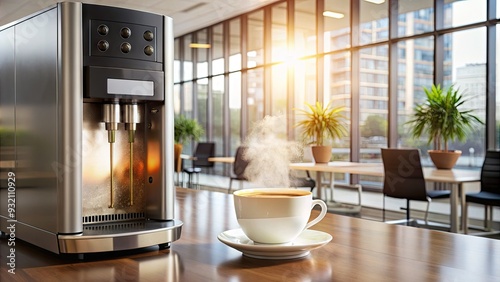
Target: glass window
{"points": [[187, 99], [255, 39], [235, 110], [202, 102], [279, 44], [217, 123], [305, 28], [415, 17], [374, 21], [304, 86], [188, 58], [218, 49], [414, 72], [234, 45], [498, 12], [201, 50], [279, 89], [177, 60], [467, 67], [337, 89], [416, 32], [255, 96], [177, 99], [187, 111], [462, 12], [373, 103], [337, 25]]}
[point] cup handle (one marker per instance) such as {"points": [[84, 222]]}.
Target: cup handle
{"points": [[320, 216]]}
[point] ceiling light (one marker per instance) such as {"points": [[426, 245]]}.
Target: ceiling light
{"points": [[334, 15], [375, 1], [199, 45]]}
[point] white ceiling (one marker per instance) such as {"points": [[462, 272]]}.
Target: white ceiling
{"points": [[188, 15]]}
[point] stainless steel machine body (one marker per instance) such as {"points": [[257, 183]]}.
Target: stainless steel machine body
{"points": [[86, 129]]}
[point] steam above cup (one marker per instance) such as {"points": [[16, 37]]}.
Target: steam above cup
{"points": [[275, 215]]}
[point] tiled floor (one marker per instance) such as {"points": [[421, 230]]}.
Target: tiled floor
{"points": [[371, 202]]}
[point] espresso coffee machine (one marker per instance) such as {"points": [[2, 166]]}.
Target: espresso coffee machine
{"points": [[86, 129]]}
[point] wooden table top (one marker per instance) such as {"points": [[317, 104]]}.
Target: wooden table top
{"points": [[377, 169], [361, 250], [228, 160]]}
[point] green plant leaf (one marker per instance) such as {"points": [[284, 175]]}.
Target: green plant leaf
{"points": [[322, 122], [185, 128], [441, 118]]}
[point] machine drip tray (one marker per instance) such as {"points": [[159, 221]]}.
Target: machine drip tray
{"points": [[106, 237]]}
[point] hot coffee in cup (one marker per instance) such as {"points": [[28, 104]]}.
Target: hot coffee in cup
{"points": [[275, 215]]}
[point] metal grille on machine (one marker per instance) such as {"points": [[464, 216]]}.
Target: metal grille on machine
{"points": [[102, 218]]}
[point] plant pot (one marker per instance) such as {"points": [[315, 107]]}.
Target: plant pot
{"points": [[444, 159], [321, 154], [177, 157]]}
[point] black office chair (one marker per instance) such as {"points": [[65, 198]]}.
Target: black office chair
{"points": [[404, 179], [239, 166], [203, 151], [489, 196]]}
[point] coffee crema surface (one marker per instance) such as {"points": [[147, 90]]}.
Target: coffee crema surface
{"points": [[273, 194]]}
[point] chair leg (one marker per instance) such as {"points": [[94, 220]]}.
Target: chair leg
{"points": [[360, 191], [465, 219], [332, 187], [230, 186], [383, 208], [429, 200], [488, 215], [407, 211]]}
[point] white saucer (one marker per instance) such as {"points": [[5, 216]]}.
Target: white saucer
{"points": [[300, 247]]}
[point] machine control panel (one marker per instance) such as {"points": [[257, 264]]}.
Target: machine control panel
{"points": [[122, 40]]}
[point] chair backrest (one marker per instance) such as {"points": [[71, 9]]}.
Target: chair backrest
{"points": [[490, 172], [403, 175], [203, 151], [240, 162]]}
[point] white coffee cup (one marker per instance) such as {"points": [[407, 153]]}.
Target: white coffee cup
{"points": [[275, 215]]}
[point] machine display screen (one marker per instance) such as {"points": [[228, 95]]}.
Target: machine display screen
{"points": [[130, 87]]}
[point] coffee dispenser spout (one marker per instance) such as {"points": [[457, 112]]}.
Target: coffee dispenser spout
{"points": [[111, 120], [131, 121]]}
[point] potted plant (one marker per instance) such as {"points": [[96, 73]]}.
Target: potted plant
{"points": [[321, 124], [441, 118], [184, 130]]}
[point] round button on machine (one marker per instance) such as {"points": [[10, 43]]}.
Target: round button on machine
{"points": [[149, 35], [102, 45], [125, 32], [149, 50], [103, 29], [126, 47]]}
